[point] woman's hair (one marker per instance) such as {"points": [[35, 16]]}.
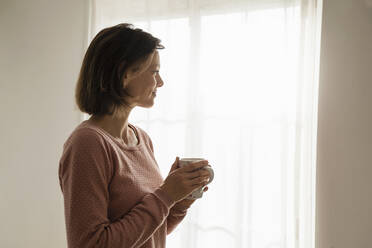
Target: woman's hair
{"points": [[99, 89]]}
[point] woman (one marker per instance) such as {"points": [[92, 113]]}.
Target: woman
{"points": [[114, 195]]}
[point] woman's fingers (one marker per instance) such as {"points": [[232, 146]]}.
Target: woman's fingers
{"points": [[198, 173], [194, 166], [198, 181]]}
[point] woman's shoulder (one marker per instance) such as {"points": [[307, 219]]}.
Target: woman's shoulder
{"points": [[84, 135], [85, 147]]}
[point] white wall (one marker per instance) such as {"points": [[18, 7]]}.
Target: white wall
{"points": [[41, 49], [344, 167]]}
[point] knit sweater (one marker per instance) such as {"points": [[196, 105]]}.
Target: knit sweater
{"points": [[111, 192]]}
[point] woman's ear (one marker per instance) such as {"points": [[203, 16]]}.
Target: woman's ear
{"points": [[138, 67], [120, 69], [125, 80], [128, 74]]}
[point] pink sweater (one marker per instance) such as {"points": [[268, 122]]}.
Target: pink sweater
{"points": [[111, 192]]}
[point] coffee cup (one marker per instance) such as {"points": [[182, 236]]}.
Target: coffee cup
{"points": [[198, 193]]}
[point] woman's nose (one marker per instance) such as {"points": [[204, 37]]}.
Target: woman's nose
{"points": [[160, 81]]}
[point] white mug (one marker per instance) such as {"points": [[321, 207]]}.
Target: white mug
{"points": [[198, 193]]}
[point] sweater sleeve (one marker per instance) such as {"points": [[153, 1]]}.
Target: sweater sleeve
{"points": [[85, 171], [174, 218]]}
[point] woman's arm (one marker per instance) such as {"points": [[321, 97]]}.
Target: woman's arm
{"points": [[84, 175], [174, 218]]}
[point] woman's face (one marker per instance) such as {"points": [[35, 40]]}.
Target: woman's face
{"points": [[142, 85]]}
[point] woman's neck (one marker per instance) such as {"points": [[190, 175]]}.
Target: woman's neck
{"points": [[117, 127]]}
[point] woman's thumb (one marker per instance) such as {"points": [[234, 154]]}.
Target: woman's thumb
{"points": [[175, 164]]}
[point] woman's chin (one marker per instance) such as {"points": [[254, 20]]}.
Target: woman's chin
{"points": [[148, 104]]}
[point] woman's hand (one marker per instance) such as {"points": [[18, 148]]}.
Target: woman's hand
{"points": [[181, 182], [185, 204], [175, 165]]}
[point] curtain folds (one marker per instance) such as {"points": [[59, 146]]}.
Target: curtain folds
{"points": [[240, 89]]}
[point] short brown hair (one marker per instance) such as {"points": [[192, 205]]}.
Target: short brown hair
{"points": [[99, 89]]}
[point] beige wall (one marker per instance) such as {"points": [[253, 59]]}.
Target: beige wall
{"points": [[344, 167], [41, 48]]}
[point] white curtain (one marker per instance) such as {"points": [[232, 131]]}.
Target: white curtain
{"points": [[240, 89]]}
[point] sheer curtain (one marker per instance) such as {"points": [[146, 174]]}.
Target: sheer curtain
{"points": [[240, 89]]}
